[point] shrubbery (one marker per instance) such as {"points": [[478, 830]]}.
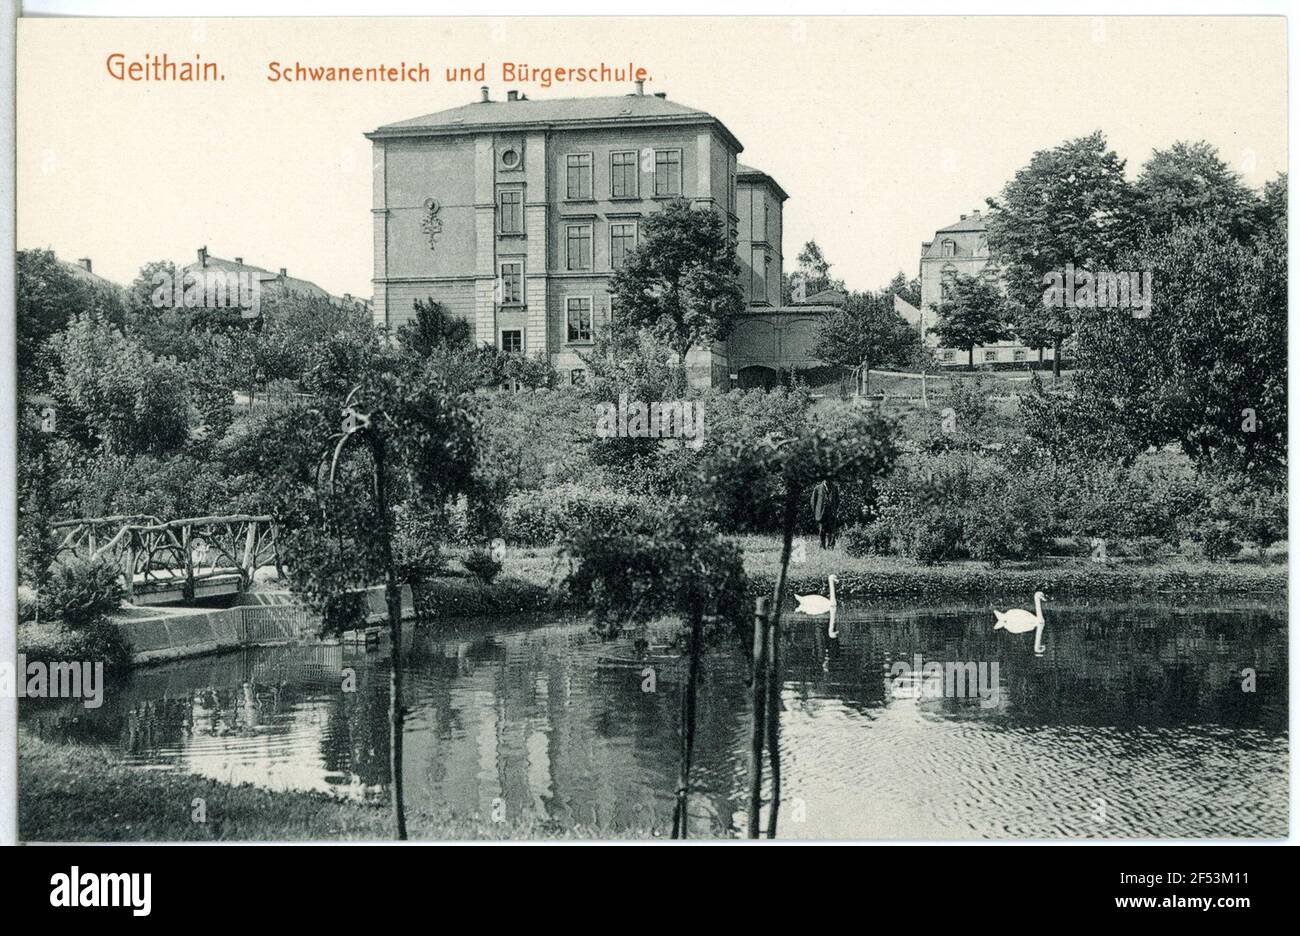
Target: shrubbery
{"points": [[538, 518], [80, 592]]}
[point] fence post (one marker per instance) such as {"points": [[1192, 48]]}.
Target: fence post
{"points": [[758, 688]]}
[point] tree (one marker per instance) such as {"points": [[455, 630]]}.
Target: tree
{"points": [[49, 296], [407, 437], [844, 445], [682, 282], [1208, 368], [112, 393], [867, 331], [433, 328], [1272, 204], [1189, 182], [812, 276], [974, 313], [1070, 205], [665, 563], [905, 289]]}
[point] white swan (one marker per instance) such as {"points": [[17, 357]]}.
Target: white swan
{"points": [[817, 605], [1019, 621]]}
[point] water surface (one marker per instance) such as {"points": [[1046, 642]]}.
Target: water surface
{"points": [[1133, 723]]}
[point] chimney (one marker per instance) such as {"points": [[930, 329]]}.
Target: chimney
{"points": [[976, 214], [484, 91], [203, 256], [512, 95], [239, 260], [85, 264], [661, 95], [640, 87], [963, 217], [283, 273]]}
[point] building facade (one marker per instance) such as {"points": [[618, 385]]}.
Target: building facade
{"points": [[515, 214], [963, 249]]}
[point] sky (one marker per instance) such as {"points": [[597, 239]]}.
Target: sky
{"points": [[880, 129]]}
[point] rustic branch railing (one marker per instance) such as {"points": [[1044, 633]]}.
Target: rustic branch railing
{"points": [[191, 550]]}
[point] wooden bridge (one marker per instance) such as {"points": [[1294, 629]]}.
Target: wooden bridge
{"points": [[175, 560]]}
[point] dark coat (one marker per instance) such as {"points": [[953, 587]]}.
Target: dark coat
{"points": [[825, 502]]}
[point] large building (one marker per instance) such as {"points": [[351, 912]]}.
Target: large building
{"points": [[963, 249], [514, 215]]}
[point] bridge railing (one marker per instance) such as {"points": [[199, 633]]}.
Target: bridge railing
{"points": [[189, 551]]}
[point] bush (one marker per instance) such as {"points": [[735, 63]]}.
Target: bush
{"points": [[932, 537], [29, 605], [1218, 542], [538, 518], [82, 592], [869, 539], [100, 640], [417, 545], [483, 566]]}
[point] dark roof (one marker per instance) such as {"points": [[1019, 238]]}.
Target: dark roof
{"points": [[750, 174], [971, 223], [271, 280], [525, 114]]}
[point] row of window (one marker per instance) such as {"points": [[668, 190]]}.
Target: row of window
{"points": [[624, 173]]}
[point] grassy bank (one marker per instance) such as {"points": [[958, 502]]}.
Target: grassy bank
{"points": [[80, 794], [892, 577]]}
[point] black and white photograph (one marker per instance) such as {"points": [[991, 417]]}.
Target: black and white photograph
{"points": [[645, 428]]}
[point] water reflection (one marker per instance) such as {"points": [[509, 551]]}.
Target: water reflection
{"points": [[1133, 723]]}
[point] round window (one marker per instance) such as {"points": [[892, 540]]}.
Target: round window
{"points": [[510, 158]]}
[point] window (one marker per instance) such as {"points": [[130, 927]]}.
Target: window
{"points": [[1020, 354], [510, 159], [578, 318], [950, 355], [623, 176], [731, 194], [622, 241], [577, 376], [668, 172], [990, 355], [579, 247], [512, 341], [511, 283], [948, 248], [512, 211], [579, 175]]}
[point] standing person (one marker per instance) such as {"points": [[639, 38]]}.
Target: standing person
{"points": [[825, 506]]}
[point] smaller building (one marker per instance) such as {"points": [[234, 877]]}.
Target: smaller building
{"points": [[270, 282], [963, 249]]}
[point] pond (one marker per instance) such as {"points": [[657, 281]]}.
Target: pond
{"points": [[1147, 721]]}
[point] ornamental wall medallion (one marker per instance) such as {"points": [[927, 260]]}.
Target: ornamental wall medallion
{"points": [[431, 223]]}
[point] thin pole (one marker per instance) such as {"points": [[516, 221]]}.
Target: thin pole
{"points": [[393, 599], [773, 714], [680, 830], [758, 687]]}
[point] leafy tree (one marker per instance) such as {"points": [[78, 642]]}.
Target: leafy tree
{"points": [[407, 437], [865, 332], [1189, 182], [682, 282], [49, 296], [908, 290], [660, 564], [813, 275], [1070, 205], [1208, 369], [111, 392], [432, 329], [974, 313], [1272, 204]]}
